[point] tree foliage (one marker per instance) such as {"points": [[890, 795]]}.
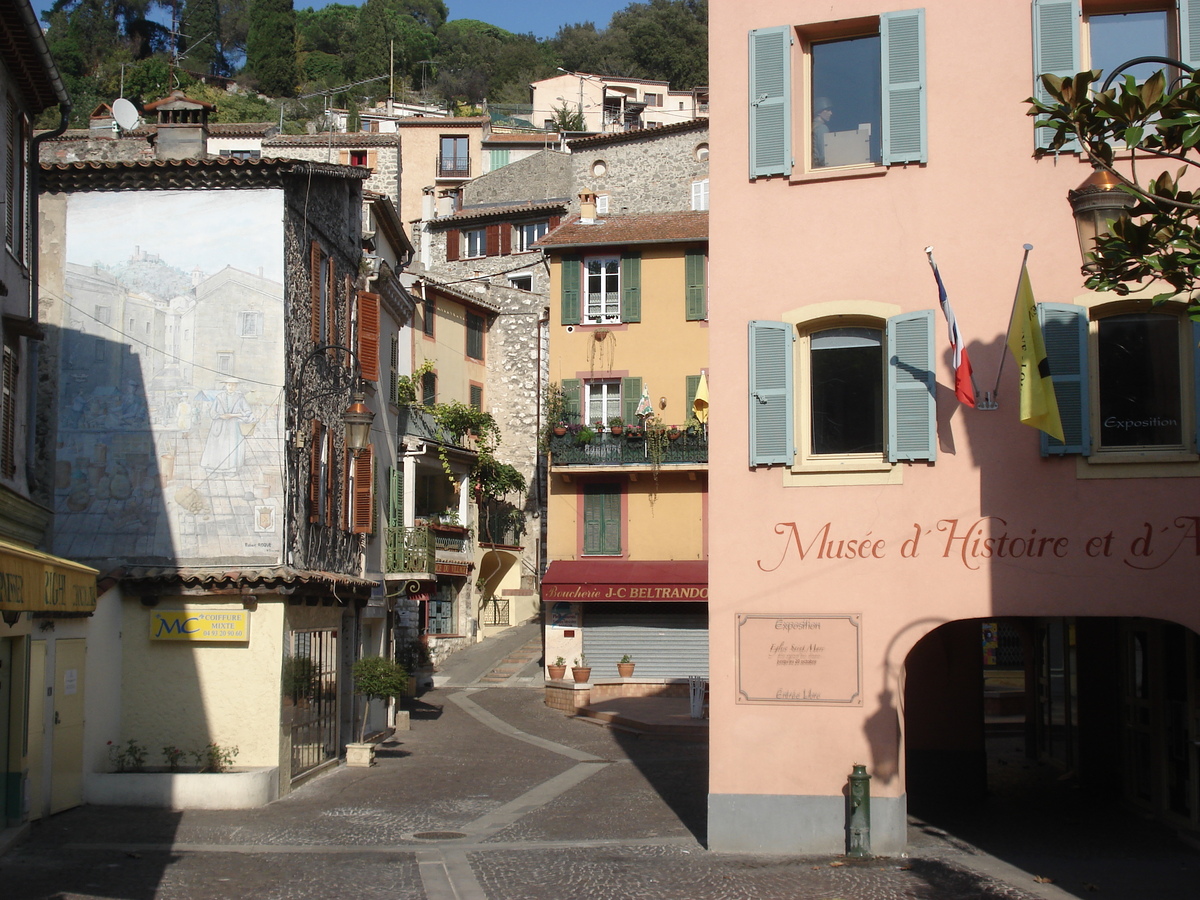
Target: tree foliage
{"points": [[1160, 239], [271, 47]]}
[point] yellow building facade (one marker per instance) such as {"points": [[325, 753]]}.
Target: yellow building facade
{"points": [[627, 434]]}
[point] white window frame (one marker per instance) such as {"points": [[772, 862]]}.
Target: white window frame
{"points": [[528, 232], [605, 309], [250, 324], [521, 282], [602, 204], [602, 397], [474, 242], [700, 195]]}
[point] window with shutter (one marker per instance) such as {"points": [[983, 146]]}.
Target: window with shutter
{"points": [[631, 287], [368, 335], [569, 290], [330, 487], [476, 397], [603, 299], [601, 520], [316, 472], [8, 424], [864, 101], [572, 391], [317, 290], [394, 369], [362, 492], [429, 316], [475, 327], [395, 497], [429, 388], [695, 265]]}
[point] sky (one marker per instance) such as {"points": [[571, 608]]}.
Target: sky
{"points": [[542, 17]]}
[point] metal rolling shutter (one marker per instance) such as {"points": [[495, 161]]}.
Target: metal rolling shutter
{"points": [[663, 644]]}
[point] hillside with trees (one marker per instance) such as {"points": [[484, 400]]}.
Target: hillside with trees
{"points": [[348, 55]]}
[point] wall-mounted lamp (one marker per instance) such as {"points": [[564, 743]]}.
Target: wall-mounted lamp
{"points": [[662, 402], [357, 418]]}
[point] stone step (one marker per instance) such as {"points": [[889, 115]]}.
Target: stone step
{"points": [[514, 662]]}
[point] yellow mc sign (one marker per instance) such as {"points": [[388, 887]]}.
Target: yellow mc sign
{"points": [[194, 625]]}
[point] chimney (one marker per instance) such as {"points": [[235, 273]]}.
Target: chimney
{"points": [[587, 208], [445, 202], [428, 204], [182, 126]]}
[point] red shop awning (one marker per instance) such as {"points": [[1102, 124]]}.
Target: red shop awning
{"points": [[624, 580]]}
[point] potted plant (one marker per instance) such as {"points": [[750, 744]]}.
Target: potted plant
{"points": [[634, 431], [557, 669], [580, 670], [625, 666], [375, 678], [584, 436], [673, 433], [560, 428], [615, 424]]}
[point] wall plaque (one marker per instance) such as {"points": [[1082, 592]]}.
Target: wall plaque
{"points": [[799, 659]]}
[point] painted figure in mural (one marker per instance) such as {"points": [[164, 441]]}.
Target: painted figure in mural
{"points": [[225, 451]]}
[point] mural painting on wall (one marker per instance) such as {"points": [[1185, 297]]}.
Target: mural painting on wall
{"points": [[171, 378]]}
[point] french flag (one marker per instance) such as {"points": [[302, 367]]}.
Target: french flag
{"points": [[964, 387]]}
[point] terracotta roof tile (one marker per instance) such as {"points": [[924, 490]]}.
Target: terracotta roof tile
{"points": [[508, 211], [542, 138], [339, 139], [239, 129], [212, 171], [652, 228], [621, 137], [444, 121]]}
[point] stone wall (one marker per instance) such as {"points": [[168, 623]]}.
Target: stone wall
{"points": [[385, 174], [546, 175], [652, 174]]}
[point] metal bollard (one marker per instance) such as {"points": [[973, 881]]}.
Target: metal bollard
{"points": [[859, 844]]}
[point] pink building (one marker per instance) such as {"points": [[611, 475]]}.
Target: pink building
{"points": [[892, 571]]}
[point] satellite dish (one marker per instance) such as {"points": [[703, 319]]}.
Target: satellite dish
{"points": [[125, 113]]}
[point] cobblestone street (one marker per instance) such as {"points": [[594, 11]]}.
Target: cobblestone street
{"points": [[490, 795]]}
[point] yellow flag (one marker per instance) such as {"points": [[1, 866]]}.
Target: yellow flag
{"points": [[1039, 407]]}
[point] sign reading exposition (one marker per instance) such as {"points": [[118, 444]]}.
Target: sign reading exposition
{"points": [[800, 659], [193, 625]]}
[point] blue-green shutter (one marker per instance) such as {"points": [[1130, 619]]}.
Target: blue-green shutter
{"points": [[570, 274], [902, 39], [696, 309], [631, 394], [498, 158], [912, 389], [1189, 32], [1056, 26], [395, 497], [772, 432], [572, 389], [602, 520], [770, 101], [1065, 332], [631, 287]]}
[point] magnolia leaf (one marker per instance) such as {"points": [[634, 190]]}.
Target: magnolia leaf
{"points": [[1133, 136]]}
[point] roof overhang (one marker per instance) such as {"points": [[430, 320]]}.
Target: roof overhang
{"points": [[625, 580], [32, 581]]}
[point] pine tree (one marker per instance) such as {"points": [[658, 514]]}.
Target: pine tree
{"points": [[200, 43], [271, 46]]}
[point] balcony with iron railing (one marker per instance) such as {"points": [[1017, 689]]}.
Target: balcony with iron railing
{"points": [[453, 167], [417, 550], [688, 450]]}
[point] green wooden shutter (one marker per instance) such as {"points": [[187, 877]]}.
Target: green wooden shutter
{"points": [[1055, 52], [772, 433], [572, 389], [1189, 32], [902, 40], [693, 268], [602, 520], [770, 101], [912, 389], [395, 497], [498, 158], [631, 394], [631, 287], [569, 271], [1065, 332], [692, 385]]}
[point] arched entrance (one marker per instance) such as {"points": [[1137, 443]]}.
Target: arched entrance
{"points": [[1106, 709]]}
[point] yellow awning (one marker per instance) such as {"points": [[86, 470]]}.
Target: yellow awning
{"points": [[31, 581]]}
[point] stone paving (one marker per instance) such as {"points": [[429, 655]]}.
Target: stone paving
{"points": [[490, 796]]}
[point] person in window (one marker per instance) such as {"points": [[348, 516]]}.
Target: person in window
{"points": [[822, 113]]}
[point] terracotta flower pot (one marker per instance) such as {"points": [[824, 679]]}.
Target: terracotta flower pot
{"points": [[556, 673], [617, 429], [560, 430], [625, 670], [581, 673]]}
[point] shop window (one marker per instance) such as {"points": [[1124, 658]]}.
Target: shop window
{"points": [[862, 98], [1125, 381], [602, 520], [857, 395]]}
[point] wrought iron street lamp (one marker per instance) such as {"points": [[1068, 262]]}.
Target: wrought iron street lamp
{"points": [[337, 380]]}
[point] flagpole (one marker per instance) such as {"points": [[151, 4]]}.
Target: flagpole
{"points": [[974, 385], [991, 397]]}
